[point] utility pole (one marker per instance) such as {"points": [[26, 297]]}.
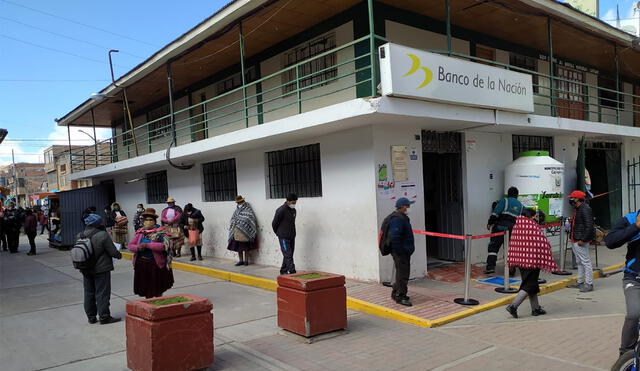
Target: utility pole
{"points": [[15, 177]]}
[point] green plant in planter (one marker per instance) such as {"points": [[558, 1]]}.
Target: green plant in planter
{"points": [[167, 301], [310, 276]]}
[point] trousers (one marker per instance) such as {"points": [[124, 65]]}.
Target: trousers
{"points": [[585, 269], [287, 247], [97, 292], [402, 263], [629, 339]]}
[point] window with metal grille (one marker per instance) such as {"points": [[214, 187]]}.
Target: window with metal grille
{"points": [[161, 121], [157, 188], [220, 183], [315, 72], [295, 170], [609, 98], [524, 143], [235, 81], [527, 63], [126, 137]]}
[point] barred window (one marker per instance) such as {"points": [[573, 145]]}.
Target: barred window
{"points": [[235, 81], [314, 72], [524, 143], [609, 98], [157, 189], [161, 126], [295, 170], [220, 183], [127, 138], [528, 63]]}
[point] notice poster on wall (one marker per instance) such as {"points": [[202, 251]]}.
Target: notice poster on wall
{"points": [[408, 190], [400, 163]]}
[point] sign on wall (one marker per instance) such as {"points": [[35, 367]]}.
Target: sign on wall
{"points": [[413, 73]]}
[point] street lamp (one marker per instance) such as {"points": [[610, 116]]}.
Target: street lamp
{"points": [[95, 140]]}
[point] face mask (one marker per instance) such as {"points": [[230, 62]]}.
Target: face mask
{"points": [[293, 206], [140, 209], [572, 203], [148, 224]]}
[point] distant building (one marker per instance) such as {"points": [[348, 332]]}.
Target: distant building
{"points": [[24, 180], [57, 165]]}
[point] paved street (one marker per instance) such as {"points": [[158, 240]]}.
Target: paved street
{"points": [[43, 326]]}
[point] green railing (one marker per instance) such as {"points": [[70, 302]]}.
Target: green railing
{"points": [[291, 91]]}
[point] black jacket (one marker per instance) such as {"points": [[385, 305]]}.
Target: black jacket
{"points": [[582, 226], [401, 233], [13, 220], [623, 232], [195, 214], [103, 248], [284, 222]]}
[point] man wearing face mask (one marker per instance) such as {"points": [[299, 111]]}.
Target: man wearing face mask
{"points": [[284, 226], [582, 233], [138, 220], [402, 247]]}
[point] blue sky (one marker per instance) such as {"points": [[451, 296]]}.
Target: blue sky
{"points": [[44, 75], [54, 55]]}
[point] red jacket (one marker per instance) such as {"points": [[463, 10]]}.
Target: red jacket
{"points": [[30, 224]]}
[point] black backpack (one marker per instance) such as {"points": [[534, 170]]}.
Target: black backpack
{"points": [[384, 241], [82, 253]]}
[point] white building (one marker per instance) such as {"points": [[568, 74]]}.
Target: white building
{"points": [[302, 117]]}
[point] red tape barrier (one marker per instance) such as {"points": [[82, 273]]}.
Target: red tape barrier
{"points": [[435, 234], [477, 237]]}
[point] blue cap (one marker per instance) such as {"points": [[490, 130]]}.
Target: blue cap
{"points": [[403, 201], [93, 220]]}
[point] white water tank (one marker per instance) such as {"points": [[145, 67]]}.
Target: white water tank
{"points": [[538, 178]]}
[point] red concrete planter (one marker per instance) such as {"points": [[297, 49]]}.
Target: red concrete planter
{"points": [[169, 337], [312, 303]]}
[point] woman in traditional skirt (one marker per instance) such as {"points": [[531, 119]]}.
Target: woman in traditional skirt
{"points": [[152, 258], [529, 250], [120, 228], [172, 222], [243, 231]]}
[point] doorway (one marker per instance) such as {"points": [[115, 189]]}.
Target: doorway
{"points": [[442, 179], [603, 161]]}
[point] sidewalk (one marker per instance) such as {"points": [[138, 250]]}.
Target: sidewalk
{"points": [[432, 296]]}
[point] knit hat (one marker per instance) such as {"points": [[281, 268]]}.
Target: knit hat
{"points": [[93, 220]]}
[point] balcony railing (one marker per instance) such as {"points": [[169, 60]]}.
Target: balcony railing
{"points": [[277, 96]]}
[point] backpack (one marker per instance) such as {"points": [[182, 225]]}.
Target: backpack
{"points": [[384, 240], [82, 253]]}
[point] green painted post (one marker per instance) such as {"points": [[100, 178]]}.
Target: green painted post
{"points": [[298, 92], [372, 50], [448, 22], [244, 83], [551, 67], [618, 95]]}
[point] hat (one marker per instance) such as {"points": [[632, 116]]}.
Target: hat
{"points": [[403, 201], [150, 212], [577, 194], [171, 199], [239, 199], [93, 220]]}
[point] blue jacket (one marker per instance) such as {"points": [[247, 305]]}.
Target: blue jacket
{"points": [[401, 234], [626, 232], [505, 214]]}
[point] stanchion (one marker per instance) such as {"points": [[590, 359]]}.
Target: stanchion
{"points": [[467, 275], [563, 252], [506, 287]]}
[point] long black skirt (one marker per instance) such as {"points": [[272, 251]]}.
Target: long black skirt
{"points": [[241, 246], [150, 281], [530, 281]]}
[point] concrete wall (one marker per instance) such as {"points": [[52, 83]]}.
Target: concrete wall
{"points": [[336, 232], [422, 39]]}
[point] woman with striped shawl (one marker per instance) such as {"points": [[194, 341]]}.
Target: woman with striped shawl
{"points": [[243, 231], [529, 250]]}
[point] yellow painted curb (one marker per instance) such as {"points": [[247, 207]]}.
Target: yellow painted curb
{"points": [[370, 308]]}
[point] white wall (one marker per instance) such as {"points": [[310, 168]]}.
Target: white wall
{"points": [[422, 39], [336, 232]]}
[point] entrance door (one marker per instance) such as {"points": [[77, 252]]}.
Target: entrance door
{"points": [[603, 160], [442, 171], [570, 95]]}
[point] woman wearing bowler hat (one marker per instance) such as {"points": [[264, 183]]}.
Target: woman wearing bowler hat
{"points": [[152, 258]]}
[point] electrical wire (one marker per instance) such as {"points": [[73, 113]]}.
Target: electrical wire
{"points": [[79, 23], [55, 50]]}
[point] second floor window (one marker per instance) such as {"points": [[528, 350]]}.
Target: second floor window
{"points": [[609, 98], [527, 63], [161, 121], [524, 143], [235, 81], [316, 72]]}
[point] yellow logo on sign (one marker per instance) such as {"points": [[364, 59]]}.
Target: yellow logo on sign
{"points": [[415, 65]]}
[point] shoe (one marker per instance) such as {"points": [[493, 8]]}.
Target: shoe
{"points": [[245, 263], [489, 270], [403, 300], [586, 288], [512, 310], [293, 272], [242, 263], [539, 311], [31, 253], [92, 320], [200, 258], [192, 258], [575, 285], [109, 320]]}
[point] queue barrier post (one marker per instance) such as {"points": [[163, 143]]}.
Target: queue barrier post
{"points": [[467, 275], [563, 252], [506, 287]]}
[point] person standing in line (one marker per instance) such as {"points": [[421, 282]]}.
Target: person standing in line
{"points": [[12, 223], [172, 221], [193, 227], [530, 251], [402, 247], [120, 228], [627, 231], [243, 230], [97, 279], [3, 234], [284, 226], [152, 273], [502, 218], [44, 222], [108, 218], [582, 233], [31, 230], [138, 219]]}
